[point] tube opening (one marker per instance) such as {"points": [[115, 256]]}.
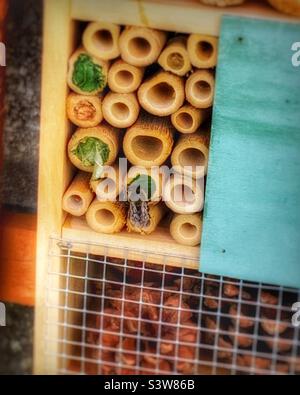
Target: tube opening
{"points": [[120, 111], [204, 50], [175, 61], [192, 157], [103, 39], [75, 202], [147, 147], [182, 194], [184, 120], [201, 89], [188, 230], [105, 217], [139, 47], [161, 95], [124, 78]]}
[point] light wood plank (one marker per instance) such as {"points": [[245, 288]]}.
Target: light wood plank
{"points": [[187, 16], [159, 247], [54, 169]]}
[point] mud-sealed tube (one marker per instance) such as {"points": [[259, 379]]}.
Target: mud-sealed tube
{"points": [[87, 74], [141, 46], [78, 196], [188, 118], [200, 89], [162, 94], [186, 229], [120, 109], [91, 148], [106, 217], [149, 141], [109, 185], [124, 77], [175, 57], [101, 39], [156, 213], [203, 50], [183, 195], [84, 111], [190, 154]]}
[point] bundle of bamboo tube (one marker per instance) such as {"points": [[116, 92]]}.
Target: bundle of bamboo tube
{"points": [[163, 109]]}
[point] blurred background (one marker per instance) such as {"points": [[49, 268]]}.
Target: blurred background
{"points": [[23, 27]]}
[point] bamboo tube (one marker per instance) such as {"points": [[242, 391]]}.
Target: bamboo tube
{"points": [[149, 141], [156, 213], [141, 46], [89, 147], [190, 155], [202, 50], [163, 94], [106, 217], [101, 39], [175, 57], [188, 118], [156, 181], [124, 77], [183, 195], [84, 111], [186, 229], [87, 74], [120, 109], [78, 196], [291, 7], [108, 187], [199, 89]]}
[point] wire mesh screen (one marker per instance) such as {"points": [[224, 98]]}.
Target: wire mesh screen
{"points": [[118, 316]]}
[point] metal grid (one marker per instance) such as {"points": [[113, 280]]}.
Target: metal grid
{"points": [[118, 316]]}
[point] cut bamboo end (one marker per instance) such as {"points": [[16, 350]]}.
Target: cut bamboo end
{"points": [[163, 94], [84, 111], [120, 109], [200, 89], [124, 77], [78, 196], [186, 229], [188, 118], [291, 7], [175, 57], [202, 50], [190, 155], [149, 141], [101, 39], [156, 213], [183, 195], [156, 177], [108, 187], [105, 133], [141, 46], [106, 217], [82, 82]]}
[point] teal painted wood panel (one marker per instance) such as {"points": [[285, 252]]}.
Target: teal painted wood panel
{"points": [[252, 208]]}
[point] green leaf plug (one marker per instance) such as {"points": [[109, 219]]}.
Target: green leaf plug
{"points": [[87, 75]]}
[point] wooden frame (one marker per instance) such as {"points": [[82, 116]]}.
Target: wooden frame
{"points": [[55, 172]]}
